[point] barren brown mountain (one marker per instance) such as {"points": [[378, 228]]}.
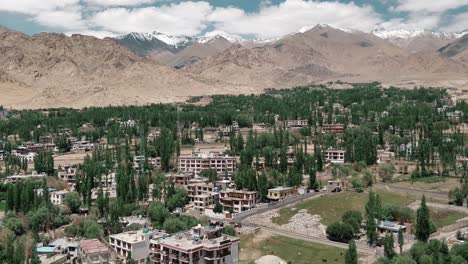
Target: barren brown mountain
{"points": [[458, 50], [55, 70], [325, 53], [193, 53]]}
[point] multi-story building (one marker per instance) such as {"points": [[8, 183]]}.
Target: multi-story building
{"points": [[295, 123], [83, 145], [93, 251], [201, 245], [335, 156], [180, 179], [280, 193], [156, 162], [20, 177], [46, 139], [333, 128], [67, 174], [198, 162], [135, 243], [24, 153], [202, 195], [58, 197], [237, 201]]}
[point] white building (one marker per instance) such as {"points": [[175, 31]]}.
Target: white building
{"points": [[136, 243], [202, 195], [198, 246], [237, 201], [335, 155], [58, 197], [19, 177], [295, 123], [198, 162]]}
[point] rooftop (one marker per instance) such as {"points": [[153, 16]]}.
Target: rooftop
{"points": [[136, 236], [189, 240], [280, 188], [93, 246]]}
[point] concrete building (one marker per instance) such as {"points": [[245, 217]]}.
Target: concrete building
{"points": [[93, 251], [281, 193], [237, 201], [135, 243], [202, 195], [83, 145], [3, 155], [180, 179], [333, 128], [58, 197], [335, 156], [198, 246], [67, 174], [198, 162], [335, 186], [295, 123], [19, 177]]}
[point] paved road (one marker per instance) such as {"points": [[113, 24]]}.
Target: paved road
{"points": [[413, 191]]}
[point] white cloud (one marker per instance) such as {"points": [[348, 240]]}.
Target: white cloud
{"points": [[65, 19], [119, 2], [413, 22], [458, 23], [35, 6], [435, 6], [289, 16], [185, 18]]}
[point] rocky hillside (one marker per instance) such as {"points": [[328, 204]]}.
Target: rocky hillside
{"points": [[55, 70]]}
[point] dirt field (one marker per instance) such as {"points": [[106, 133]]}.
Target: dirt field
{"points": [[441, 185], [70, 158]]}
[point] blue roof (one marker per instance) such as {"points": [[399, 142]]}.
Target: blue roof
{"points": [[45, 250]]}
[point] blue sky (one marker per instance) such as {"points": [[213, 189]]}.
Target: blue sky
{"points": [[252, 18]]}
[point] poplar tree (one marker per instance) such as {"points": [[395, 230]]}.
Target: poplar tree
{"points": [[423, 221], [351, 256]]}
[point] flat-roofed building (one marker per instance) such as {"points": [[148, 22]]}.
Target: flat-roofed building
{"points": [[93, 251], [19, 177], [180, 179], [281, 193], [333, 128], [198, 162], [202, 195], [237, 201], [296, 123], [135, 243], [58, 197], [68, 174], [335, 155], [201, 245]]}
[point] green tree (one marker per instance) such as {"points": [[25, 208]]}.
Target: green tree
{"points": [[423, 222], [262, 185], [351, 256], [218, 208], [388, 246], [157, 214], [72, 200], [401, 240]]}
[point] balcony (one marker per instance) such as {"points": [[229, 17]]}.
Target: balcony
{"points": [[174, 256]]}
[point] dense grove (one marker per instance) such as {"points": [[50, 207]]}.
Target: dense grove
{"points": [[373, 118]]}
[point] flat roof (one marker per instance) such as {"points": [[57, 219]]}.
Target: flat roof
{"points": [[186, 241], [93, 246], [135, 236], [280, 188]]}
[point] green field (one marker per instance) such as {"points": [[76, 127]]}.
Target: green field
{"points": [[331, 206], [295, 251], [444, 218]]}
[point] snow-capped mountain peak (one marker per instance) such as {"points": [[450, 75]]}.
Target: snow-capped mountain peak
{"points": [[324, 26], [220, 34], [168, 39], [408, 34]]}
